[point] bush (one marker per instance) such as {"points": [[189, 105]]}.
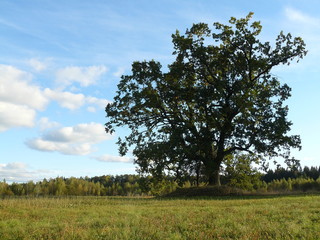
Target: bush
{"points": [[210, 191]]}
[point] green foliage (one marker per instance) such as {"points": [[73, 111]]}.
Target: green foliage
{"points": [[280, 172], [163, 187], [298, 184], [5, 189], [239, 172], [217, 98]]}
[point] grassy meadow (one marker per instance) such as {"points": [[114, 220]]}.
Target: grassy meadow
{"points": [[269, 217]]}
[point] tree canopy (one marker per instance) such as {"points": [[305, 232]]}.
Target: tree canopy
{"points": [[217, 98]]}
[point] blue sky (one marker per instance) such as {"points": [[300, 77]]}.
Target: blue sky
{"points": [[61, 61]]}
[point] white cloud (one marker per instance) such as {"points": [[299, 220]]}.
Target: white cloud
{"points": [[14, 171], [67, 100], [20, 99], [85, 132], [110, 158], [64, 148], [12, 115], [85, 76], [74, 101], [36, 64], [101, 103], [76, 140], [15, 88], [19, 172]]}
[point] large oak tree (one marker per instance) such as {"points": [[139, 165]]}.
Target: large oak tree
{"points": [[217, 98]]}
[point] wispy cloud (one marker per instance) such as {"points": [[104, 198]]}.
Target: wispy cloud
{"points": [[297, 16], [306, 26], [44, 123], [119, 72], [111, 158], [37, 65], [75, 140]]}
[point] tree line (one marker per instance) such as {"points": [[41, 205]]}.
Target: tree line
{"points": [[278, 180]]}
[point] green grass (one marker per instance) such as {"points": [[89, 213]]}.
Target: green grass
{"points": [[285, 217]]}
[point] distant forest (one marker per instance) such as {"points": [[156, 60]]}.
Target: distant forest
{"points": [[279, 180]]}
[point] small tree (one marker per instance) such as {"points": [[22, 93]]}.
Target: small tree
{"points": [[240, 173], [217, 98]]}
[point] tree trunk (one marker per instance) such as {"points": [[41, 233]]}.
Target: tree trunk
{"points": [[212, 165], [214, 178], [213, 171]]}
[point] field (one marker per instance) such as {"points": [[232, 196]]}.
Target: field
{"points": [[285, 217]]}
